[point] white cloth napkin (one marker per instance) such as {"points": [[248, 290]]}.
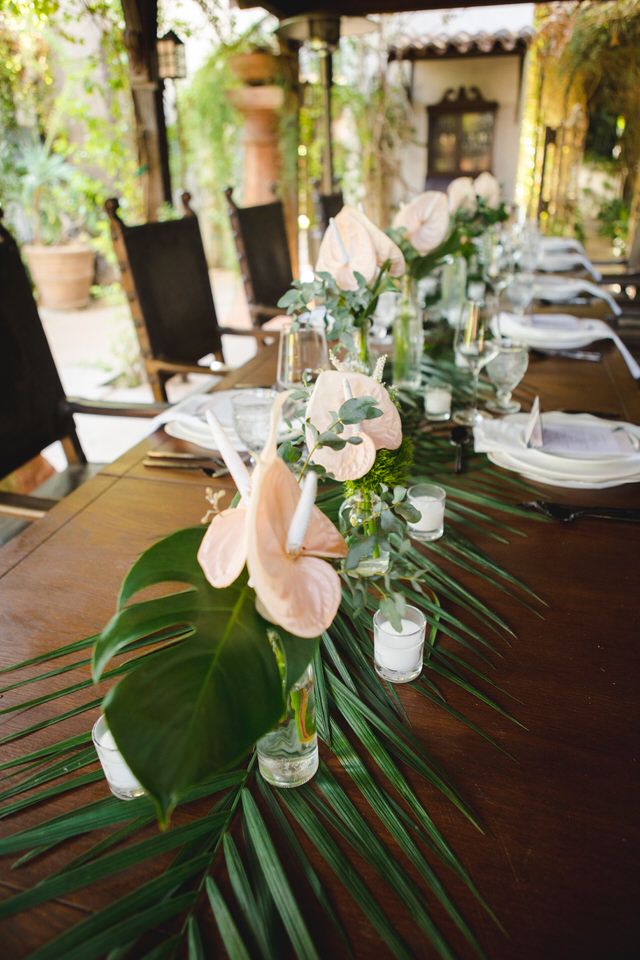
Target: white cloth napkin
{"points": [[556, 244], [559, 289], [564, 260], [540, 329]]}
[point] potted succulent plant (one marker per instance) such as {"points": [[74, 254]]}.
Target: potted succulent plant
{"points": [[61, 265]]}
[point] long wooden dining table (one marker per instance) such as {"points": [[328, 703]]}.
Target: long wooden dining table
{"points": [[558, 858]]}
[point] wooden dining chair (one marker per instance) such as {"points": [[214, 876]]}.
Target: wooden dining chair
{"points": [[262, 247], [165, 277], [34, 411], [326, 205]]}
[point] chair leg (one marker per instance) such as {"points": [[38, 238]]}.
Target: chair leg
{"points": [[157, 382], [73, 449]]}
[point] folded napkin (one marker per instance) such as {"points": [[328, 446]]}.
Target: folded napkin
{"points": [[543, 328], [556, 244], [574, 437], [559, 289], [560, 261]]}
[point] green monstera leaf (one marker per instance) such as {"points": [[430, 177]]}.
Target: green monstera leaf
{"points": [[194, 708]]}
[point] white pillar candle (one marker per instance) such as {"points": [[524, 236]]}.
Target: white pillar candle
{"points": [[121, 780], [437, 402], [429, 500], [398, 653]]}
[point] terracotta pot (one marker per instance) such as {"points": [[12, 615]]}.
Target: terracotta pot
{"points": [[62, 274], [255, 68]]}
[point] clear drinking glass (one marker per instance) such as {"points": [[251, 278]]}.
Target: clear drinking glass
{"points": [[506, 369], [301, 353], [397, 656], [122, 782], [475, 345], [252, 417], [288, 754]]}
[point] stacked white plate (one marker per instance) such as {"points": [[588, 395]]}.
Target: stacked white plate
{"points": [[187, 420], [551, 331], [560, 331], [503, 442]]}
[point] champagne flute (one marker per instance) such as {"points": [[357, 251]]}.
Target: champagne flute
{"points": [[475, 345]]}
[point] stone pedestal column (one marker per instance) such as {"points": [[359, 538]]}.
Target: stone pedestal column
{"points": [[259, 107]]}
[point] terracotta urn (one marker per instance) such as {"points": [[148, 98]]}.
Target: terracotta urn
{"points": [[62, 274]]}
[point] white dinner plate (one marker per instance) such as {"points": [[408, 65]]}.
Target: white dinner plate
{"points": [[507, 462], [580, 466]]}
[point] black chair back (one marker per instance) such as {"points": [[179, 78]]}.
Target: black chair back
{"points": [[327, 205], [263, 253], [33, 411], [169, 279]]}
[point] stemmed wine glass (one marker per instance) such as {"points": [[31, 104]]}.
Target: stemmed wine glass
{"points": [[496, 255], [520, 292], [506, 369], [475, 345]]}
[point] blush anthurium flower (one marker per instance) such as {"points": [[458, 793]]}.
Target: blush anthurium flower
{"points": [[282, 536], [331, 389], [462, 195], [488, 189], [353, 244], [426, 220]]}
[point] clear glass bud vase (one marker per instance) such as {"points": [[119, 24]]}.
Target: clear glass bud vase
{"points": [[360, 519], [408, 338], [288, 754]]}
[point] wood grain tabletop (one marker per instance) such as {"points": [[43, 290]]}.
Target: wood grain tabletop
{"points": [[558, 859]]}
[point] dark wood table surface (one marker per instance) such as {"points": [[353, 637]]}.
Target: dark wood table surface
{"points": [[558, 861]]}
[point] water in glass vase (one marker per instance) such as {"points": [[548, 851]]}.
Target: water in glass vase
{"points": [[288, 754], [359, 520]]}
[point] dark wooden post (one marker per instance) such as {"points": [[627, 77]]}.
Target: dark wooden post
{"points": [[141, 20]]}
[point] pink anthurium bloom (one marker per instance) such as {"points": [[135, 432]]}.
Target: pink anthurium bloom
{"points": [[426, 220], [487, 187], [353, 461], [462, 195], [281, 536], [352, 244]]}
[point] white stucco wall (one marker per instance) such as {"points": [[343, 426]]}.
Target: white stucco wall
{"points": [[497, 79]]}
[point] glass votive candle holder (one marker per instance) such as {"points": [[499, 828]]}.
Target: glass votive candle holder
{"points": [[122, 782], [397, 655], [437, 401], [429, 499]]}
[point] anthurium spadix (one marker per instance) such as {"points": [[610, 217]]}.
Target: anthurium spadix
{"points": [[281, 536]]}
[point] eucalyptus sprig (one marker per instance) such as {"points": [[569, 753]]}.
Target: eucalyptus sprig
{"points": [[352, 411], [345, 311], [474, 223]]}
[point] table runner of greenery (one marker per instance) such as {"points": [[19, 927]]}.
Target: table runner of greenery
{"points": [[243, 826]]}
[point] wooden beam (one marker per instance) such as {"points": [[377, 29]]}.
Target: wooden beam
{"points": [[359, 8], [141, 20]]}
